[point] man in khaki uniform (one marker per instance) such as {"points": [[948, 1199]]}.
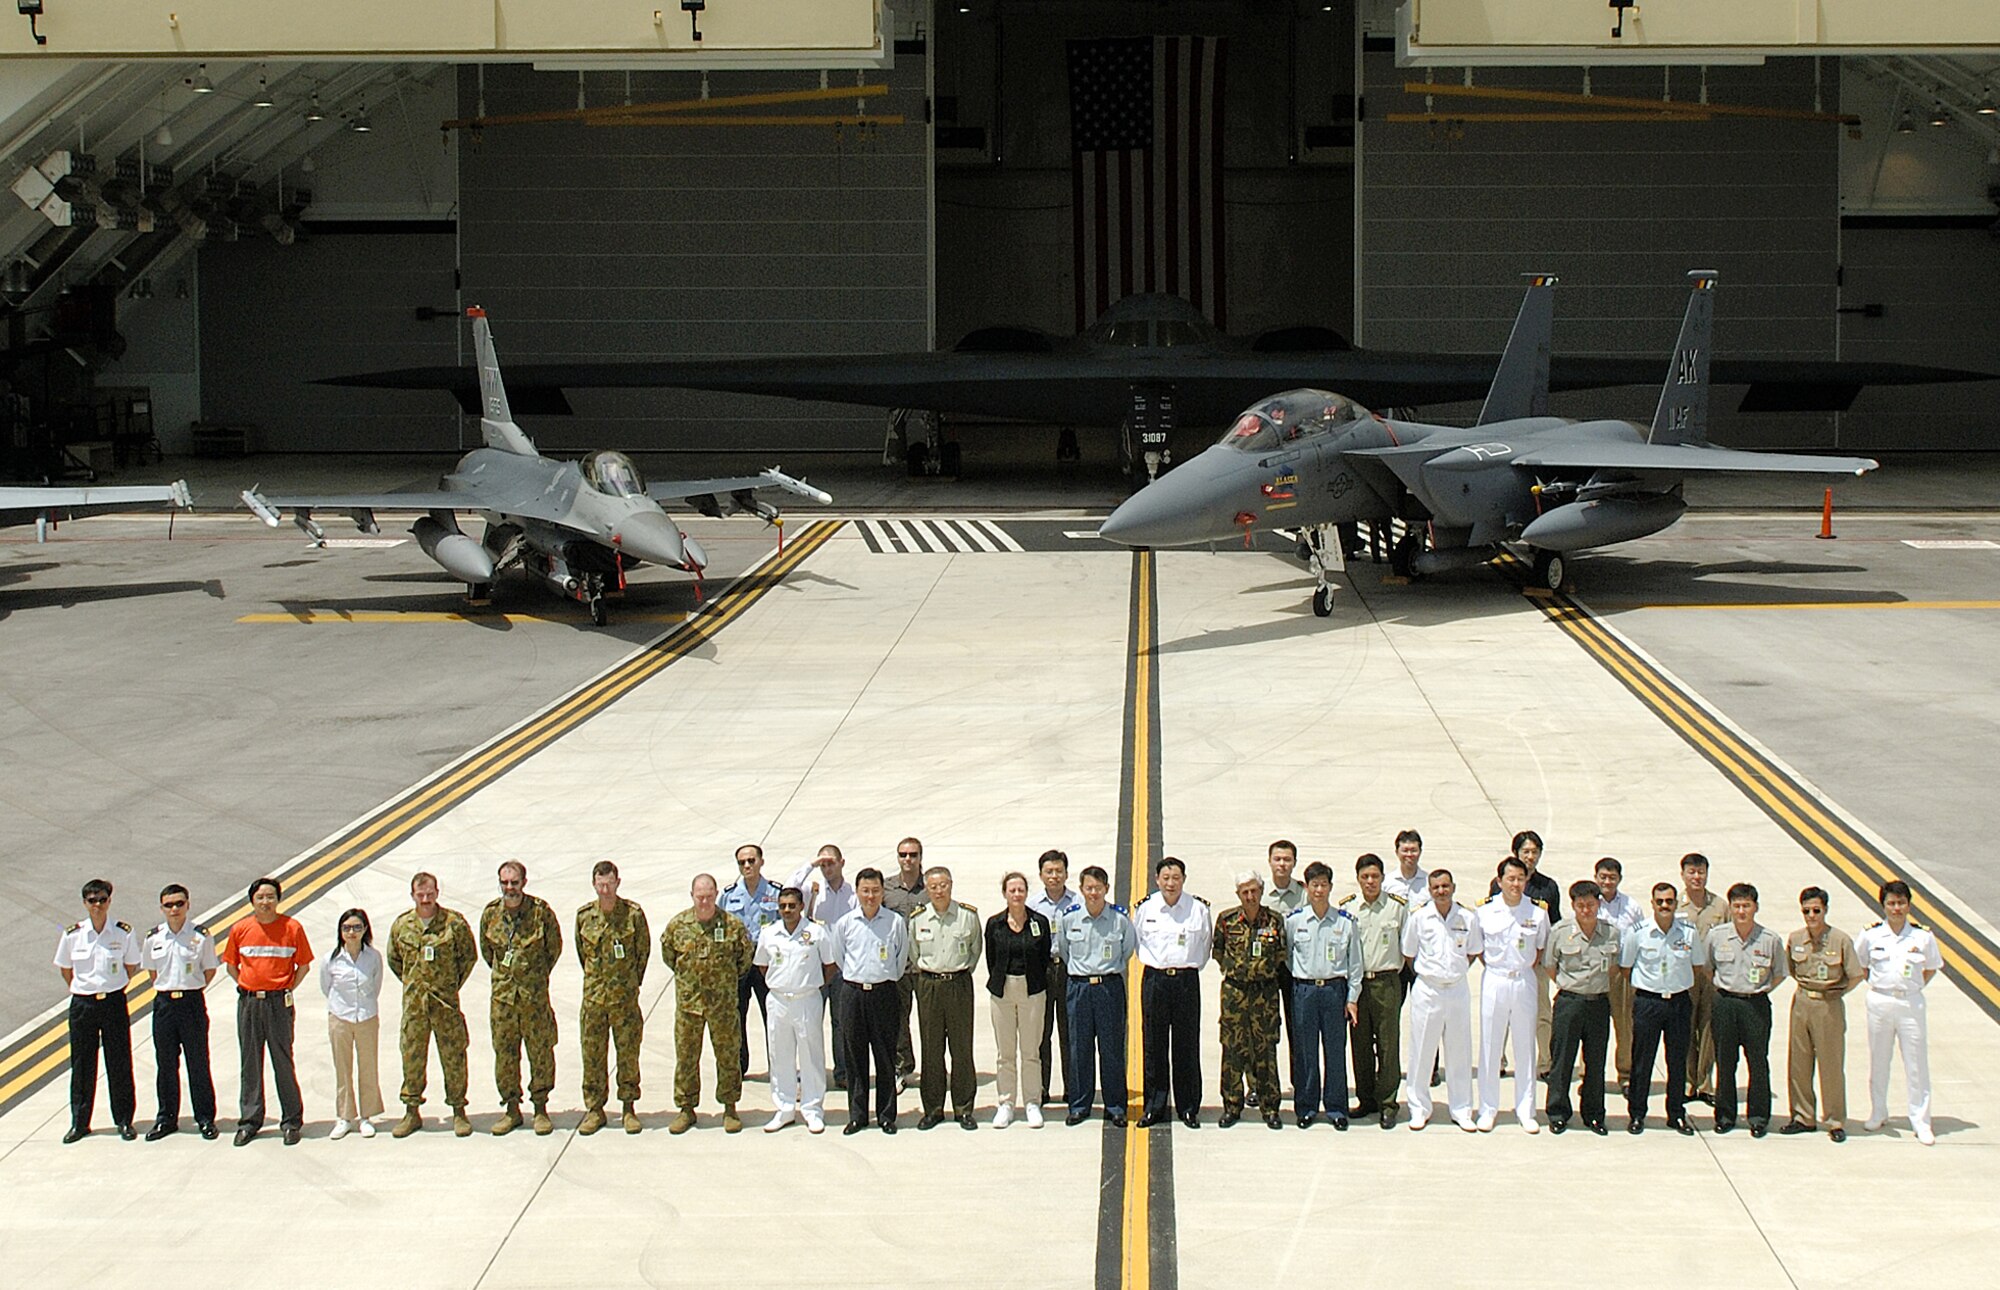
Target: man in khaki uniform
{"points": [[1580, 957], [522, 940], [708, 950], [432, 952], [1705, 911], [945, 940], [1824, 967], [1744, 961], [612, 945]]}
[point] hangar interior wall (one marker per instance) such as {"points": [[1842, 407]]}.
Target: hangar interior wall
{"points": [[700, 241], [1451, 217]]}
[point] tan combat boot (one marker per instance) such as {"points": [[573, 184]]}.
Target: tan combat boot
{"points": [[412, 1121], [682, 1122], [461, 1127], [509, 1122], [544, 1126], [631, 1118], [593, 1120], [731, 1122]]}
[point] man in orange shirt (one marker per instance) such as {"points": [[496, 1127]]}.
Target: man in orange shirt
{"points": [[267, 956]]}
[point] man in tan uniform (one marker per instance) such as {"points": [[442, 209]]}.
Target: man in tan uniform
{"points": [[946, 938], [1825, 967], [1704, 911]]}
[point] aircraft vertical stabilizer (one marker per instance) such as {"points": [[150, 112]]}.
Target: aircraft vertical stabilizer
{"points": [[496, 420], [1683, 412], [1521, 383]]}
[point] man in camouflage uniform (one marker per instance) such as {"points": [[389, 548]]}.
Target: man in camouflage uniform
{"points": [[432, 952], [708, 951], [521, 939], [611, 944], [1250, 947]]}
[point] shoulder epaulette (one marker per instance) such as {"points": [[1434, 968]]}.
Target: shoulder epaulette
{"points": [[1343, 913], [202, 928], [124, 926], [1202, 899], [1483, 900], [76, 926], [1350, 896], [158, 927], [1870, 927], [1398, 899], [1543, 903], [1108, 905], [584, 908], [970, 908]]}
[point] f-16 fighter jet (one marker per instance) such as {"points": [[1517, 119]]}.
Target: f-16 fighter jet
{"points": [[577, 525], [43, 507], [1310, 460]]}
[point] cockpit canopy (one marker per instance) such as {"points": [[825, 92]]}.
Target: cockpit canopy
{"points": [[614, 474], [1293, 415]]}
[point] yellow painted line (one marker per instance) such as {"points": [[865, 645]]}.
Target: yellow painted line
{"points": [[1815, 605], [318, 617], [1136, 1261], [1824, 834], [374, 835]]}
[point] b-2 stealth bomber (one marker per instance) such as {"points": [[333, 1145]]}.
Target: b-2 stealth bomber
{"points": [[577, 525], [1311, 460]]}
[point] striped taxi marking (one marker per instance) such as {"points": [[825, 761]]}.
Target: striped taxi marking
{"points": [[1972, 959], [1824, 604], [1136, 1262], [42, 1053]]}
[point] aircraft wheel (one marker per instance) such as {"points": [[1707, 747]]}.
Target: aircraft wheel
{"points": [[949, 459], [1551, 570], [1402, 559], [1305, 553], [479, 592], [1323, 602], [599, 615], [917, 458]]}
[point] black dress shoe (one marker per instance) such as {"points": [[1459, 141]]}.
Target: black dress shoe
{"points": [[1794, 1127], [965, 1120], [291, 1135], [1229, 1119], [1340, 1123], [1307, 1120], [243, 1135], [1635, 1127], [853, 1127], [930, 1120], [1149, 1119], [207, 1128], [1838, 1135], [1759, 1130], [76, 1133], [1388, 1117], [1597, 1127], [1558, 1126], [1682, 1127], [1724, 1126], [1706, 1099], [1192, 1119], [1117, 1119], [1250, 1098], [127, 1132], [1362, 1110], [888, 1126], [1271, 1121], [1075, 1118], [159, 1131]]}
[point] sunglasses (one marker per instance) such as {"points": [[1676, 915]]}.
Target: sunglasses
{"points": [[97, 900], [909, 855], [745, 864], [1664, 904], [173, 904]]}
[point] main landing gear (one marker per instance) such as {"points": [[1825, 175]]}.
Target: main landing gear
{"points": [[1551, 570]]}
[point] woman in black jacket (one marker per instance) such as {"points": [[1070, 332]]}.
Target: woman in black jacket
{"points": [[1017, 976]]}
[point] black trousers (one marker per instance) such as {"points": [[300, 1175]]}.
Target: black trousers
{"points": [[1742, 1026], [1170, 1003], [1291, 1063], [906, 1003], [100, 1021], [868, 1021], [1654, 1020], [1580, 1021], [180, 1029], [265, 1022], [1055, 1029], [752, 982]]}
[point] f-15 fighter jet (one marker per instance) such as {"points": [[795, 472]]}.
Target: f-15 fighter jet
{"points": [[577, 525], [1310, 459]]}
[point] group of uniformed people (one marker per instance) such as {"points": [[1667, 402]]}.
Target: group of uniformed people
{"points": [[1387, 967]]}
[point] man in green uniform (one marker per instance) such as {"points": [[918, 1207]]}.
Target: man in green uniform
{"points": [[611, 944], [708, 951], [432, 952], [946, 938], [1250, 947], [521, 940]]}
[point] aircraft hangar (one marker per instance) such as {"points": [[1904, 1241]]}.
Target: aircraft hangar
{"points": [[975, 271]]}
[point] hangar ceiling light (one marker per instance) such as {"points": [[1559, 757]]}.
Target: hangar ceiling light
{"points": [[199, 82], [360, 124], [1987, 107], [1939, 117], [263, 98], [1906, 124], [312, 112]]}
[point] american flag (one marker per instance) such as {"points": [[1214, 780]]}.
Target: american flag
{"points": [[1146, 183]]}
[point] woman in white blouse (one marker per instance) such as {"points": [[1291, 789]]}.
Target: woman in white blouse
{"points": [[352, 982]]}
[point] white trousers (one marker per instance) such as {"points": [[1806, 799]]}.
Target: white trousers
{"points": [[797, 1042], [1507, 1005], [1894, 1022], [1440, 1014]]}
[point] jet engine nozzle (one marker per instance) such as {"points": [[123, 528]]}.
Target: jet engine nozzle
{"points": [[461, 556], [651, 537]]}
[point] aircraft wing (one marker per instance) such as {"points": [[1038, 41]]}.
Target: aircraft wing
{"points": [[1069, 387], [26, 505], [1686, 457], [665, 490], [362, 506]]}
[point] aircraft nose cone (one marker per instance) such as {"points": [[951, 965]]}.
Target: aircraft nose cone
{"points": [[1177, 509], [649, 536]]}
